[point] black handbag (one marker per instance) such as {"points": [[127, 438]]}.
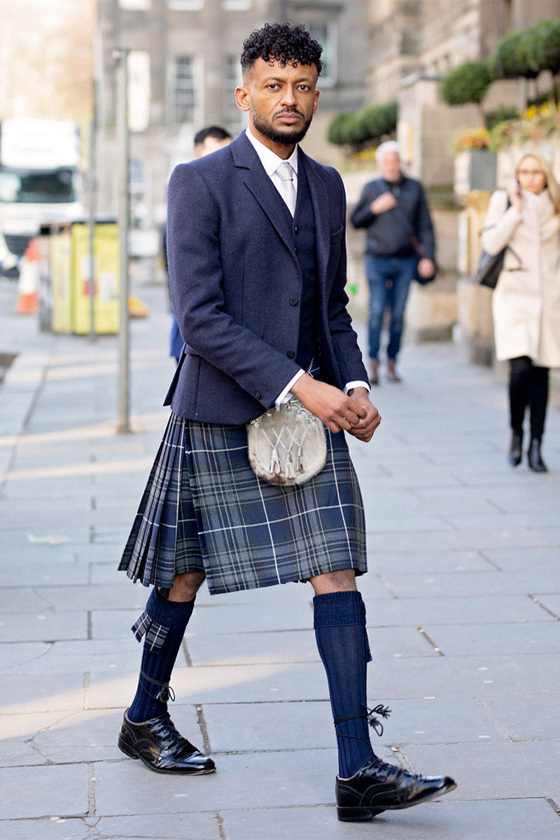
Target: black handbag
{"points": [[490, 267]]}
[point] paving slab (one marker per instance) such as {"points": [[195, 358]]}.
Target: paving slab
{"points": [[527, 819], [481, 675], [53, 692], [44, 626], [44, 791], [300, 725], [47, 828], [237, 683], [454, 540], [547, 557], [476, 584], [291, 646], [91, 736], [286, 779], [512, 609], [492, 639], [541, 722], [91, 656], [177, 826], [493, 770], [550, 602]]}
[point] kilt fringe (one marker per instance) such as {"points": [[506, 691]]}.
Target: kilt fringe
{"points": [[154, 632]]}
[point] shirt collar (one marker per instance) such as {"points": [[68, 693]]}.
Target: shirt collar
{"points": [[269, 160]]}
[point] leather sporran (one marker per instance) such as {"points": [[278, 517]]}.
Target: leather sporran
{"points": [[287, 445]]}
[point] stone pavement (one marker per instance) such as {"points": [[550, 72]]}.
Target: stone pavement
{"points": [[463, 600]]}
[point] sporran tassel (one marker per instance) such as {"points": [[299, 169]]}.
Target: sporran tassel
{"points": [[275, 465], [290, 473]]}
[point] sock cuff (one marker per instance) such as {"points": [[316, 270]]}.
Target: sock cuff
{"points": [[336, 609], [168, 613]]}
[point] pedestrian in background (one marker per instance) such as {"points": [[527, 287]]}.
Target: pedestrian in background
{"points": [[207, 140], [257, 262], [400, 241], [526, 301]]}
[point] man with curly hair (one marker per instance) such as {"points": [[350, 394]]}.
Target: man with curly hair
{"points": [[257, 264]]}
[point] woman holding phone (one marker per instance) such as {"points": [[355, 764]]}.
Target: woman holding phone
{"points": [[526, 301]]}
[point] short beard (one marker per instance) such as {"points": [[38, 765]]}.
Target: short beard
{"points": [[283, 138]]}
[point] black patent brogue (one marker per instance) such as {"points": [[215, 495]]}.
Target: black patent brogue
{"points": [[162, 748], [378, 787]]}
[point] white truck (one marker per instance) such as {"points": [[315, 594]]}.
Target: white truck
{"points": [[40, 181]]}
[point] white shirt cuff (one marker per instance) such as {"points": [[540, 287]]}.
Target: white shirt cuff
{"points": [[285, 395], [357, 384]]}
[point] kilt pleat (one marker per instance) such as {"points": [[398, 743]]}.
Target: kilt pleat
{"points": [[204, 509], [162, 524]]}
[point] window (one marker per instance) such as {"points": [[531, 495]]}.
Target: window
{"points": [[185, 5], [183, 95], [236, 5], [326, 34], [135, 5], [138, 90], [55, 187], [232, 79]]}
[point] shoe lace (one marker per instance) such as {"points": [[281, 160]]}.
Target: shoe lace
{"points": [[392, 773], [374, 722], [164, 691], [172, 738]]}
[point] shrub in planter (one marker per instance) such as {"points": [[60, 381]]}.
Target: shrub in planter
{"points": [[368, 125], [466, 84]]}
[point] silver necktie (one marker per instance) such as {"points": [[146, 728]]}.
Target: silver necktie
{"points": [[286, 174]]}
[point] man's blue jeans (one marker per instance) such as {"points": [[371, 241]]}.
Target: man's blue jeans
{"points": [[389, 281]]}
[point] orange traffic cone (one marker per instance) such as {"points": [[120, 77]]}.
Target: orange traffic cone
{"points": [[28, 283]]}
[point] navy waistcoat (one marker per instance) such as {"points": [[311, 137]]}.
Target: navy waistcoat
{"points": [[303, 234]]}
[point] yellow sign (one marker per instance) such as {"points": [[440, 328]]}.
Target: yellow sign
{"points": [[106, 279]]}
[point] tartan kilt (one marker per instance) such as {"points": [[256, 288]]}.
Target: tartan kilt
{"points": [[204, 509]]}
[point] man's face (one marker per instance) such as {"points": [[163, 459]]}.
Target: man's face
{"points": [[281, 102], [390, 167]]}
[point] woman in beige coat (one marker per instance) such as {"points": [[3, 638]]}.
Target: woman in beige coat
{"points": [[526, 301]]}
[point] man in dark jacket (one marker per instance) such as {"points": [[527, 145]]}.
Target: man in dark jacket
{"points": [[257, 265], [400, 242]]}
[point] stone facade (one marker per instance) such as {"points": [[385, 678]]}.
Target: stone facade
{"points": [[189, 50], [412, 44]]}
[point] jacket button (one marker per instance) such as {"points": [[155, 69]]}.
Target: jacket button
{"points": [[293, 301], [296, 229], [258, 395], [291, 354]]}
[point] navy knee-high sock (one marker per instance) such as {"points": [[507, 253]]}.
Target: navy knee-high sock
{"points": [[340, 630], [163, 623]]}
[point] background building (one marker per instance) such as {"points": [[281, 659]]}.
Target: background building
{"points": [[184, 68], [411, 46]]}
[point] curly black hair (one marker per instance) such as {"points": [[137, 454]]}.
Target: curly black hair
{"points": [[282, 43]]}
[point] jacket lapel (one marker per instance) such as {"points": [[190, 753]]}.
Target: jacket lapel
{"points": [[262, 189]]}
